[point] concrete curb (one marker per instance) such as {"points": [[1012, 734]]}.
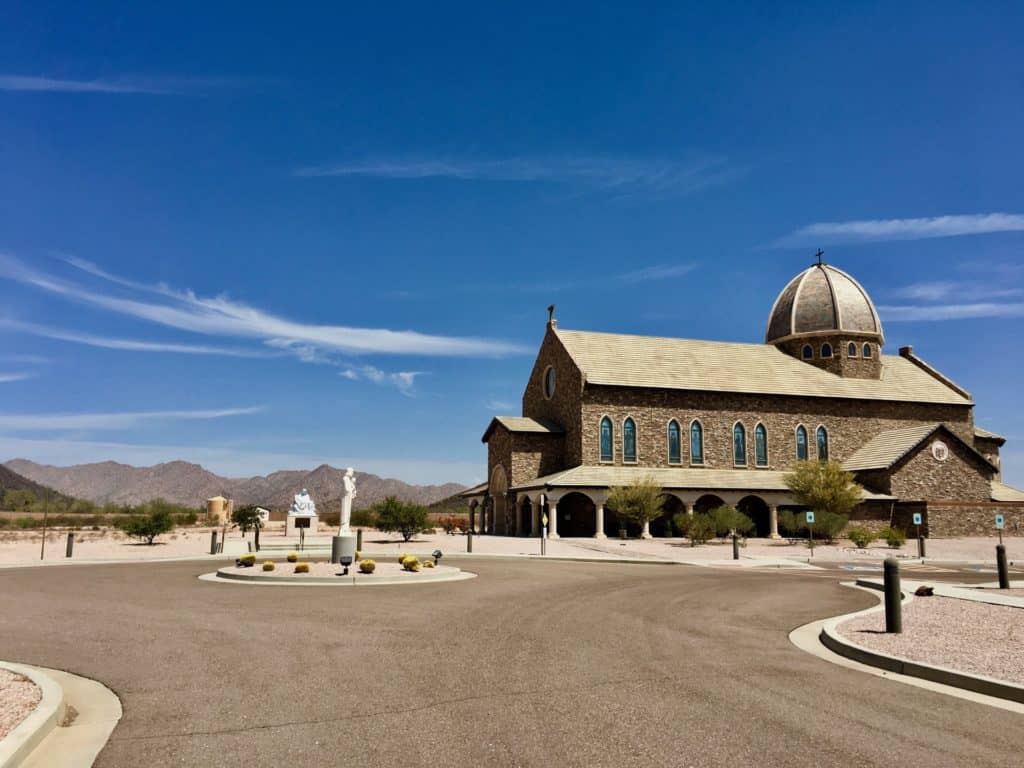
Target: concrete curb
{"points": [[20, 742], [338, 581], [838, 644], [969, 592]]}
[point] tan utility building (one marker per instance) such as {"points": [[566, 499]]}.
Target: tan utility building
{"points": [[716, 422]]}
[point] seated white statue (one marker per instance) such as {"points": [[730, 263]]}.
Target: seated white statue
{"points": [[303, 505]]}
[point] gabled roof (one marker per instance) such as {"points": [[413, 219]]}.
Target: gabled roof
{"points": [[523, 424], [1003, 492], [476, 490], [679, 478], [984, 434], [887, 448], [612, 359]]}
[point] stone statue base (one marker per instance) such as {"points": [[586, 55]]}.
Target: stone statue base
{"points": [[343, 546], [293, 523]]}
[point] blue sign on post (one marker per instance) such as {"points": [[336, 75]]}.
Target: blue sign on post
{"points": [[810, 517], [999, 522], [917, 518]]}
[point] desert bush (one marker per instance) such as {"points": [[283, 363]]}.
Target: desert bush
{"points": [[412, 563], [293, 557], [894, 537], [428, 563], [149, 526], [358, 555], [247, 518], [363, 518], [824, 486], [727, 519], [638, 503], [828, 526], [402, 557], [248, 559], [701, 531], [682, 522], [790, 524], [268, 566], [367, 566], [451, 523], [406, 519], [302, 567], [860, 535]]}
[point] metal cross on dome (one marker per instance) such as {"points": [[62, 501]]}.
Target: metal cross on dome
{"points": [[820, 255]]}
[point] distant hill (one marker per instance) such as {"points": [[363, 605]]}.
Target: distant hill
{"points": [[190, 484], [12, 481]]}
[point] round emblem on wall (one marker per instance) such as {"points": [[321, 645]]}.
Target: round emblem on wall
{"points": [[940, 450]]}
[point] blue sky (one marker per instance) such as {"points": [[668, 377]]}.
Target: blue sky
{"points": [[261, 239]]}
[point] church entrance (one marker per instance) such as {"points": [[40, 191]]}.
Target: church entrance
{"points": [[576, 515], [499, 492]]}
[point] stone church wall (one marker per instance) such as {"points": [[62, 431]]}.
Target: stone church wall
{"points": [[961, 477], [564, 406], [951, 519]]}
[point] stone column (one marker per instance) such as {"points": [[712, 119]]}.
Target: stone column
{"points": [[646, 532], [553, 519], [519, 517], [773, 522], [599, 521]]}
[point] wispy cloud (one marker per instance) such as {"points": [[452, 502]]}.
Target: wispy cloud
{"points": [[221, 316], [498, 405], [902, 229], [938, 312], [118, 85], [961, 290], [685, 175], [658, 272], [130, 345], [6, 378], [59, 421], [403, 381]]}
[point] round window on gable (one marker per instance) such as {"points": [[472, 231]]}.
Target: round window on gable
{"points": [[549, 382]]}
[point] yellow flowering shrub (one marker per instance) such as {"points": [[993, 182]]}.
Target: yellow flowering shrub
{"points": [[293, 557], [411, 563], [302, 567], [268, 566], [367, 566]]}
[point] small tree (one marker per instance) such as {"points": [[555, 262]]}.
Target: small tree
{"points": [[406, 519], [638, 503], [149, 526], [728, 520], [824, 486], [702, 530], [247, 518]]}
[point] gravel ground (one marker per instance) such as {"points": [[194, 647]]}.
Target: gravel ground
{"points": [[968, 637], [384, 569], [18, 697]]}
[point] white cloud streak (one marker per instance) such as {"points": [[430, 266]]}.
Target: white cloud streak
{"points": [[902, 229], [939, 312], [403, 381], [657, 272], [685, 176], [221, 316], [46, 422], [157, 86], [963, 291], [6, 378]]}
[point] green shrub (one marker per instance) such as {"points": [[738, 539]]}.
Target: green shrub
{"points": [[790, 524], [268, 566], [26, 523], [363, 518], [367, 566], [248, 560], [894, 537], [860, 536], [828, 526], [682, 523], [702, 530], [302, 567], [727, 519], [406, 519], [293, 557], [148, 527], [411, 563]]}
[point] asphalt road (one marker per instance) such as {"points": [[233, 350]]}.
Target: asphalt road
{"points": [[532, 664]]}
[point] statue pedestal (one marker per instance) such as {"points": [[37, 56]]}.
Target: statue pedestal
{"points": [[343, 546], [293, 523]]}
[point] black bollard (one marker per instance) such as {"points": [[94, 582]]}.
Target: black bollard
{"points": [[893, 603], [359, 539], [257, 537], [213, 542], [1004, 573], [920, 547], [735, 547], [469, 540], [71, 544]]}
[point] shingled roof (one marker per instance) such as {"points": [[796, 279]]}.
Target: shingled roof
{"points": [[885, 449], [523, 424], [612, 359]]}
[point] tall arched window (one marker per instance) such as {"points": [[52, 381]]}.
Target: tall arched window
{"points": [[867, 350], [826, 350], [629, 440], [801, 443], [675, 443], [739, 445], [761, 446], [851, 350], [696, 443], [808, 352], [822, 443], [606, 440]]}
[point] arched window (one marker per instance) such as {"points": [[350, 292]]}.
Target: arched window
{"points": [[549, 382], [822, 443], [826, 351], [629, 440], [696, 443], [739, 445], [761, 446], [675, 443], [808, 352], [867, 350], [801, 443], [606, 440], [851, 350]]}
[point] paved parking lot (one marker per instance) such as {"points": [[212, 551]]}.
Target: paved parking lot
{"points": [[532, 664]]}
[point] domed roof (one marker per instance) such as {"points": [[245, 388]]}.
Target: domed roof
{"points": [[822, 300]]}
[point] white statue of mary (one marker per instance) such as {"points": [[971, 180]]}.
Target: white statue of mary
{"points": [[348, 493]]}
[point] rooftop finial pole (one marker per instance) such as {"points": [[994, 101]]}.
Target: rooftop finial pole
{"points": [[820, 255], [551, 313]]}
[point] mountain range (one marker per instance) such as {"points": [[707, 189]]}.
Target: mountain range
{"points": [[190, 484]]}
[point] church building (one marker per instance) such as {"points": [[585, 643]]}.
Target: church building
{"points": [[716, 422]]}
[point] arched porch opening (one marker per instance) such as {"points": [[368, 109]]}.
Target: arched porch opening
{"points": [[671, 506], [499, 491], [525, 517], [576, 515], [706, 503], [757, 510]]}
